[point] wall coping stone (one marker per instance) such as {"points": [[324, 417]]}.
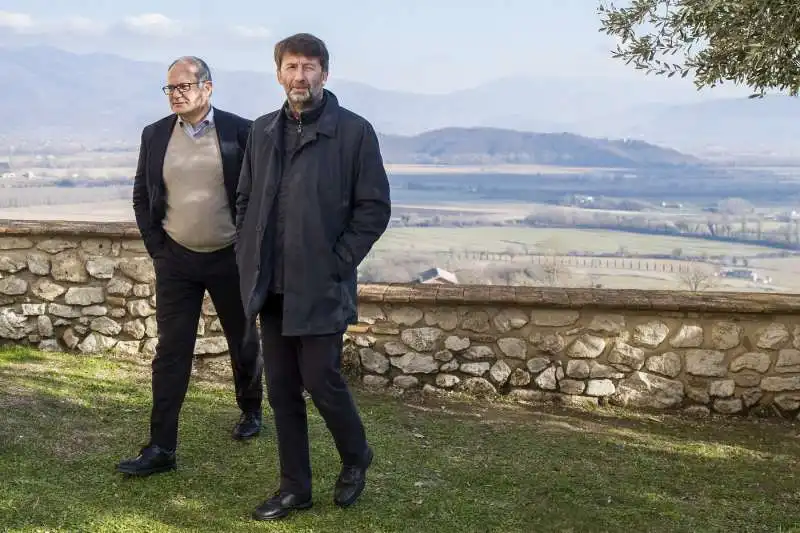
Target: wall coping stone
{"points": [[411, 293], [582, 298], [68, 228]]}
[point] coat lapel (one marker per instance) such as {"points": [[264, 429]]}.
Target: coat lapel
{"points": [[273, 153], [270, 168], [158, 150], [228, 146]]}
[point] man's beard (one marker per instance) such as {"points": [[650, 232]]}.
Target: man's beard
{"points": [[301, 96]]}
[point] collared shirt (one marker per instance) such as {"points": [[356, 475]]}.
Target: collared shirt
{"points": [[195, 132]]}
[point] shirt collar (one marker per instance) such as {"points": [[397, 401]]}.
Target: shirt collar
{"points": [[202, 126]]}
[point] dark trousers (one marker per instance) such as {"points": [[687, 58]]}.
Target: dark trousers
{"points": [[182, 277], [313, 363]]}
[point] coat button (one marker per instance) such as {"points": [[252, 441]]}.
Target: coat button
{"points": [[258, 227]]}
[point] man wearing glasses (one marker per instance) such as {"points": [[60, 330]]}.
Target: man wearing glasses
{"points": [[184, 200]]}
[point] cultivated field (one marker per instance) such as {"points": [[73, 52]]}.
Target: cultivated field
{"points": [[784, 272], [118, 210], [52, 202], [124, 162], [549, 240], [114, 204], [569, 271], [404, 252], [433, 239], [487, 169], [495, 224]]}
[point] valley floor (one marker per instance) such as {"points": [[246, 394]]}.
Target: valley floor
{"points": [[404, 252]]}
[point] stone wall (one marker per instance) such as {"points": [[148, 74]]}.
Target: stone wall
{"points": [[89, 288], [727, 353], [84, 287]]}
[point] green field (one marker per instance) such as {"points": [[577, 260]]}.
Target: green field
{"points": [[500, 239], [440, 465]]}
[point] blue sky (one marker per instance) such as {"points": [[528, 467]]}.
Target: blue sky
{"points": [[434, 46]]}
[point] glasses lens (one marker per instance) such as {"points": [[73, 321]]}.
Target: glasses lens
{"points": [[182, 88]]}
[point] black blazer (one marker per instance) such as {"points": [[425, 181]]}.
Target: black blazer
{"points": [[149, 191]]}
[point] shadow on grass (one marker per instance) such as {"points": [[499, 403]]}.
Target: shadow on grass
{"points": [[70, 420], [746, 434]]}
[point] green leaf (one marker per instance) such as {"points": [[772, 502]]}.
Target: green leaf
{"points": [[754, 43]]}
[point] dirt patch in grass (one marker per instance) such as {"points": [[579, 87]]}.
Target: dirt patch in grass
{"points": [[16, 396]]}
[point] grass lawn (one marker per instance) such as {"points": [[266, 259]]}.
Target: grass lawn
{"points": [[440, 465]]}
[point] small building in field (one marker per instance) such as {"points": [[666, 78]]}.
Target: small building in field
{"points": [[5, 169], [744, 273], [437, 276]]}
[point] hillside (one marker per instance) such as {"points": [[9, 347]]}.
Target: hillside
{"points": [[110, 98], [496, 146]]}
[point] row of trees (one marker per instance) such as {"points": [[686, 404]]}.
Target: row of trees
{"points": [[743, 228]]}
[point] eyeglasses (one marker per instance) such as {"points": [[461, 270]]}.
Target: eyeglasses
{"points": [[182, 87]]}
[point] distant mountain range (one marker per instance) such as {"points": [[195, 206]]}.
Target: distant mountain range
{"points": [[50, 93], [766, 126]]}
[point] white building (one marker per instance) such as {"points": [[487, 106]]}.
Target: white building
{"points": [[437, 276]]}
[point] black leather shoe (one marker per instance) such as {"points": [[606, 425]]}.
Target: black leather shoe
{"points": [[249, 426], [351, 481], [281, 504], [151, 460]]}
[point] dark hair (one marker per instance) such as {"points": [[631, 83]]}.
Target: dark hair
{"points": [[303, 44], [203, 72]]}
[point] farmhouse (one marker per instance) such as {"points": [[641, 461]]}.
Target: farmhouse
{"points": [[437, 276], [745, 273]]}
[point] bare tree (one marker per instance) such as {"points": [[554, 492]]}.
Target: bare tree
{"points": [[553, 270], [735, 206], [698, 277], [593, 280]]}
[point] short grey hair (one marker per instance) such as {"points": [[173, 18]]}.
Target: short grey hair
{"points": [[203, 72]]}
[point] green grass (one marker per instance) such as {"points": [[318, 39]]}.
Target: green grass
{"points": [[499, 239], [441, 465]]}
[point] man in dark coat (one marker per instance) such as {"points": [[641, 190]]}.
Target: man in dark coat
{"points": [[313, 199], [184, 198]]}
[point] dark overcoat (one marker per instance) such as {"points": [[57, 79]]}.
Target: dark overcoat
{"points": [[337, 207]]}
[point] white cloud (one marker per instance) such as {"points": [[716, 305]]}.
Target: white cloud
{"points": [[24, 24], [17, 22], [152, 25], [84, 26], [250, 32], [146, 25]]}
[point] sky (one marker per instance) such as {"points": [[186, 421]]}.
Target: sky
{"points": [[437, 46]]}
